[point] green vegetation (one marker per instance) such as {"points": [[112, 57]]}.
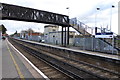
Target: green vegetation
{"points": [[3, 29], [15, 34], [118, 42]]}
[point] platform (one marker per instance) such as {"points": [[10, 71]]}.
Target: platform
{"points": [[103, 55], [14, 66]]}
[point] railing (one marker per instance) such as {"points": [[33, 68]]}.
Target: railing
{"points": [[81, 27], [86, 30]]}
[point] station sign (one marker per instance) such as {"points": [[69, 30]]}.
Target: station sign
{"points": [[104, 35]]}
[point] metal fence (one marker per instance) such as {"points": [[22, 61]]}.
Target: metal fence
{"points": [[94, 44]]}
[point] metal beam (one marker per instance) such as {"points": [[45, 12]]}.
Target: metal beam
{"points": [[65, 37], [68, 30], [14, 12], [62, 36]]}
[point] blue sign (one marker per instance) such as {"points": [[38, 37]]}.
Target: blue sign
{"points": [[106, 33]]}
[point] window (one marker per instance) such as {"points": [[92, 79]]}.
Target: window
{"points": [[54, 30], [71, 36]]}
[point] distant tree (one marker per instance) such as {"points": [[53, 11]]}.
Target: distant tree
{"points": [[15, 33], [2, 27], [30, 30]]}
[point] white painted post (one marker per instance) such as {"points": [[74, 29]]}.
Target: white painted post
{"points": [[113, 45], [0, 54], [118, 18], [111, 16], [0, 44]]}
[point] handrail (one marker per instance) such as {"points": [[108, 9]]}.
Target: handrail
{"points": [[83, 28], [80, 26]]}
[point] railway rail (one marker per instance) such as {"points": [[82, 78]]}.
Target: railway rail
{"points": [[75, 69], [49, 70]]}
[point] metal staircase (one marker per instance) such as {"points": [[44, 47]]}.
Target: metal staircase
{"points": [[87, 31], [81, 27]]}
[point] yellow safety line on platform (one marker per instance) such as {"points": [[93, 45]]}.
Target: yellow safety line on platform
{"points": [[16, 65]]}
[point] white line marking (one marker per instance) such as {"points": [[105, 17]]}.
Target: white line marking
{"points": [[41, 73]]}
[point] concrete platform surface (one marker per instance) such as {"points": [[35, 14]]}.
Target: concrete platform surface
{"points": [[14, 65]]}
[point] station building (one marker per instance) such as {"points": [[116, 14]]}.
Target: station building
{"points": [[52, 35]]}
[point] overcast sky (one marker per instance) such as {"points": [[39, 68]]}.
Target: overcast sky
{"points": [[83, 10]]}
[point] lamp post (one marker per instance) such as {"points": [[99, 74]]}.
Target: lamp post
{"points": [[96, 17], [68, 11], [111, 16], [68, 30], [110, 28], [95, 28], [68, 26]]}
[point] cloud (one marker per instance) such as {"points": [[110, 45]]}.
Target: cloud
{"points": [[103, 5], [103, 15], [84, 10], [13, 26]]}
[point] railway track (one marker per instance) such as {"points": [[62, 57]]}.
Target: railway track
{"points": [[70, 66], [50, 71]]}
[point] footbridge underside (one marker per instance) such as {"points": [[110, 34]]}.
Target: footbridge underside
{"points": [[14, 12]]}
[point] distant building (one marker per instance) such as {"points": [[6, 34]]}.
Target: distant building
{"points": [[35, 36], [55, 37], [52, 35], [47, 30], [23, 34], [50, 28]]}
